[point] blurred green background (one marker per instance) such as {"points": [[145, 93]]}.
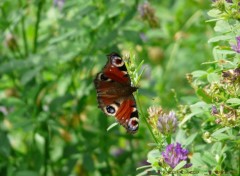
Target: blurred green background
{"points": [[50, 53]]}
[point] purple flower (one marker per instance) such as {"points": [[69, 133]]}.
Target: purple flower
{"points": [[173, 155], [229, 1], [237, 47], [237, 72], [118, 152], [214, 110], [59, 3], [143, 37], [3, 110], [167, 123], [143, 9]]}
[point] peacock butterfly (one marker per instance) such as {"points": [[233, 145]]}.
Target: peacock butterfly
{"points": [[115, 93]]}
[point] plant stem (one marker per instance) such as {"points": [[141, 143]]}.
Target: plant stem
{"points": [[239, 162], [35, 44], [46, 150], [131, 156], [24, 32], [145, 120]]}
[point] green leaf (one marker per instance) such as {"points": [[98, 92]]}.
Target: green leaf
{"points": [[214, 13], [86, 10], [29, 75], [62, 37], [155, 33], [88, 162], [199, 107], [26, 173], [143, 167], [222, 26], [153, 154], [107, 39], [187, 117], [203, 95], [146, 172], [219, 38], [112, 126], [197, 160], [234, 101], [12, 101], [198, 73], [190, 139], [220, 131], [223, 51], [213, 78], [209, 158], [97, 22], [113, 9], [5, 148], [152, 144], [59, 102], [131, 35], [216, 148], [219, 135], [180, 165], [16, 65]]}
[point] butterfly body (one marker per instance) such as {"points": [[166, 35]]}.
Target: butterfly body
{"points": [[115, 93]]}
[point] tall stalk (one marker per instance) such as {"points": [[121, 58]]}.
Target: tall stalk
{"points": [[24, 30], [39, 10]]}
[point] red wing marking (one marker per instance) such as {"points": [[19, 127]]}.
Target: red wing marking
{"points": [[124, 111], [115, 74]]}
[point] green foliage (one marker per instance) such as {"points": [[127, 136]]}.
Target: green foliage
{"points": [[209, 125], [50, 54]]}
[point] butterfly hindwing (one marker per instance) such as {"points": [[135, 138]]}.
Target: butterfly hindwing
{"points": [[115, 93], [127, 114]]}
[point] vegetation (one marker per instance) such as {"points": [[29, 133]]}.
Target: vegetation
{"points": [[183, 56]]}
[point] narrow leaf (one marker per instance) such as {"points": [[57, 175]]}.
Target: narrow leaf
{"points": [[112, 126]]}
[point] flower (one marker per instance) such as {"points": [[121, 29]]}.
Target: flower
{"points": [[173, 155], [11, 41], [207, 137], [3, 110], [144, 9], [231, 76], [237, 72], [118, 152], [229, 1], [237, 47], [143, 37], [147, 13], [59, 3], [214, 110], [154, 111], [167, 123]]}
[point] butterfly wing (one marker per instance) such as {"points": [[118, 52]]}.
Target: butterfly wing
{"points": [[127, 114], [116, 70], [114, 93]]}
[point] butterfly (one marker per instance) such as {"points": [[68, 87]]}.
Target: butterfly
{"points": [[115, 93]]}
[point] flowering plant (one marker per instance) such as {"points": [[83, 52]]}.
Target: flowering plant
{"points": [[174, 154], [217, 113]]}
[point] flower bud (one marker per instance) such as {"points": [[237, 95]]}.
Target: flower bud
{"points": [[10, 41], [154, 111], [236, 47], [214, 110], [167, 123]]}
